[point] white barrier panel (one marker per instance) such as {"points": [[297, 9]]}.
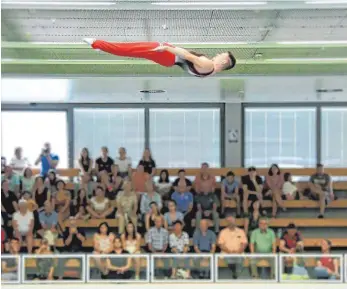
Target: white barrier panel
{"points": [[169, 268], [10, 269], [257, 268], [114, 268], [305, 268], [55, 268]]}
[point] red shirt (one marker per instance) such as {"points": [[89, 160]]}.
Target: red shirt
{"points": [[328, 262]]}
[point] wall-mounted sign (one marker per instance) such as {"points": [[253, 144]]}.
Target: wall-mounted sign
{"points": [[233, 135]]}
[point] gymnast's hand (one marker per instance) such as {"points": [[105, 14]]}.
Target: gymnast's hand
{"points": [[160, 48]]}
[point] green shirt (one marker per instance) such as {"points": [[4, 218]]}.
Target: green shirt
{"points": [[263, 240], [27, 183], [13, 182]]}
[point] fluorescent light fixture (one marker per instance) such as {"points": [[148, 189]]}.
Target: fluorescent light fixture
{"points": [[326, 2], [311, 42], [54, 3], [249, 3], [304, 59]]}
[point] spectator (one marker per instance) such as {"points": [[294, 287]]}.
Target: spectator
{"points": [[103, 240], [263, 241], [290, 189], [116, 180], [100, 207], [232, 240], [158, 237], [273, 188], [106, 182], [32, 207], [131, 242], [164, 186], [80, 204], [139, 179], [23, 224], [179, 243], [127, 206], [51, 182], [45, 266], [148, 163], [8, 206], [41, 193], [291, 240], [230, 191], [124, 163], [73, 237], [149, 197], [207, 204], [104, 162], [327, 267], [152, 215], [18, 162], [321, 189], [184, 200], [85, 162], [182, 181], [172, 216], [13, 180], [9, 266], [27, 180], [48, 160], [49, 222], [117, 268], [62, 201], [204, 241], [205, 181], [86, 183]]}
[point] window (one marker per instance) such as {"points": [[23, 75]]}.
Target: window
{"points": [[30, 130], [114, 128], [185, 137], [286, 136], [334, 136]]}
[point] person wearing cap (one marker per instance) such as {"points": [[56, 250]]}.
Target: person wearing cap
{"points": [[327, 267], [291, 240], [230, 191], [23, 224]]}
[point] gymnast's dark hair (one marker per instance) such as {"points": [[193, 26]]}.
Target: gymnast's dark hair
{"points": [[232, 61]]}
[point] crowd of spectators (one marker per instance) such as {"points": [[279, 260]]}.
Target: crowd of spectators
{"points": [[160, 213]]}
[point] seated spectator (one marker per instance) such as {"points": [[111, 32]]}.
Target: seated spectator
{"points": [[117, 268], [18, 162], [85, 162], [232, 240], [80, 204], [73, 237], [9, 266], [158, 237], [205, 181], [49, 222], [289, 189], [252, 186], [41, 194], [148, 163], [124, 163], [104, 162], [184, 200], [152, 215], [179, 243], [9, 206], [103, 240], [127, 206], [207, 204], [182, 181], [48, 160], [45, 266], [51, 182], [172, 216], [139, 180], [164, 186], [263, 241], [23, 224], [291, 241], [321, 189], [148, 198], [100, 207], [27, 180], [131, 242], [62, 201], [273, 188], [327, 267], [106, 182], [230, 191], [32, 207], [13, 180]]}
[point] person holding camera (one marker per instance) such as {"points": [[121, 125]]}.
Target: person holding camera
{"points": [[48, 160]]}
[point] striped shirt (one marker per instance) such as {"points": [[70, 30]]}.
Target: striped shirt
{"points": [[158, 238]]}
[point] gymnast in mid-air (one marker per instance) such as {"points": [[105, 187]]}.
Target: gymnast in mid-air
{"points": [[167, 55]]}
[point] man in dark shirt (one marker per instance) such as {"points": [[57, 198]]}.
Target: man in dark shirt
{"points": [[104, 162], [207, 204], [8, 206], [73, 237]]}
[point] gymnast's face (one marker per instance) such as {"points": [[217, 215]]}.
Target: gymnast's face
{"points": [[221, 60]]}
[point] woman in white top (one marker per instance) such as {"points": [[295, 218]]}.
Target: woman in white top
{"points": [[100, 207], [164, 186], [131, 241], [18, 162], [124, 163], [289, 188]]}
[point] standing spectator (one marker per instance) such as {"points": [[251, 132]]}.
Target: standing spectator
{"points": [[73, 237], [263, 241], [8, 206], [18, 162], [41, 194], [327, 267], [13, 180], [232, 240], [27, 180], [85, 162], [158, 237], [164, 186], [139, 179], [49, 222], [148, 163], [291, 240], [48, 160], [149, 197], [100, 207], [152, 215], [273, 188], [207, 204], [184, 200], [127, 206], [205, 181], [124, 163], [9, 266], [182, 181], [321, 189], [23, 224], [204, 241], [104, 163], [230, 191], [172, 216], [179, 243]]}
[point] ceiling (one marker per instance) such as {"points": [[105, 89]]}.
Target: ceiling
{"points": [[47, 39]]}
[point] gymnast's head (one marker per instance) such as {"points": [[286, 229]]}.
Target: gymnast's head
{"points": [[224, 61]]}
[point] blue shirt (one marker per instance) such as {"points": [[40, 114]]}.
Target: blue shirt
{"points": [[183, 201], [230, 187], [45, 167], [204, 242], [48, 219]]}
